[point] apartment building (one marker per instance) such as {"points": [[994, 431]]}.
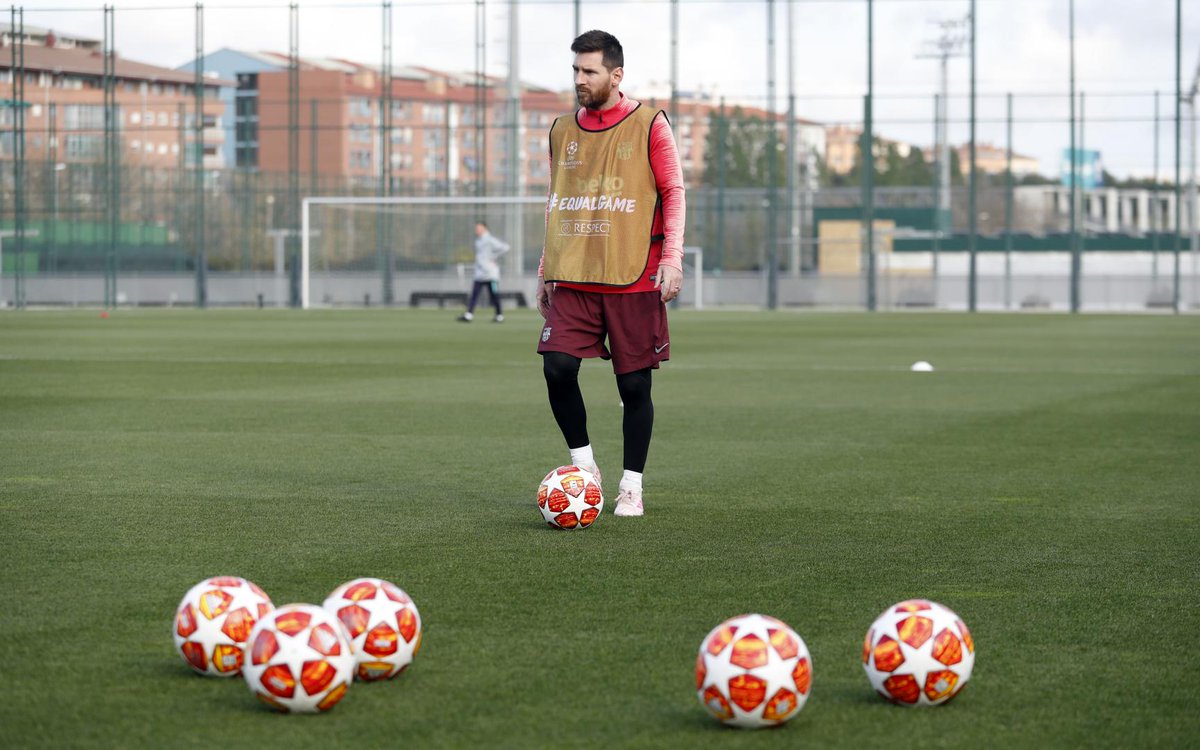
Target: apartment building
{"points": [[435, 143], [64, 105], [992, 159]]}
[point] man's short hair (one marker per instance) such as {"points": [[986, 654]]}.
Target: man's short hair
{"points": [[482, 223], [600, 41]]}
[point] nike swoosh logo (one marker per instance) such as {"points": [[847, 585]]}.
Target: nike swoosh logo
{"points": [[659, 349]]}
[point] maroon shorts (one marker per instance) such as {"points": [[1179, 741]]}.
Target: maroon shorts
{"points": [[635, 325]]}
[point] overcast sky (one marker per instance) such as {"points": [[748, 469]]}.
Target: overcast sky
{"points": [[1125, 51]]}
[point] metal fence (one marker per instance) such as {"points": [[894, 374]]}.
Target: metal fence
{"points": [[187, 191]]}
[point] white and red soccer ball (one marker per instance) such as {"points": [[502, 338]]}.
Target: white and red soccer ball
{"points": [[753, 671], [570, 498], [298, 659], [918, 653], [382, 622], [213, 622]]}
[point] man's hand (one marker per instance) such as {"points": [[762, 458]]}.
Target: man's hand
{"points": [[670, 281], [541, 296]]}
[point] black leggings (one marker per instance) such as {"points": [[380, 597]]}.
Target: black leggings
{"points": [[491, 287], [566, 401]]}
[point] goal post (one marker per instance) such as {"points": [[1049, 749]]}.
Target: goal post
{"points": [[354, 247], [515, 211]]}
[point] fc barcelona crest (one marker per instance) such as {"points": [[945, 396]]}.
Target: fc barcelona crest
{"points": [[624, 150]]}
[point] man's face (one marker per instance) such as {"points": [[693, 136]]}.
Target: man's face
{"points": [[594, 83], [480, 230]]}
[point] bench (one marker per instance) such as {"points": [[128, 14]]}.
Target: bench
{"points": [[460, 298]]}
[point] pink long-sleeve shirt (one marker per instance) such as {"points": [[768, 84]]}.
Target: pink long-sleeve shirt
{"points": [[668, 178]]}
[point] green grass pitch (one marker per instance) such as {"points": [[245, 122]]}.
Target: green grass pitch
{"points": [[1044, 483]]}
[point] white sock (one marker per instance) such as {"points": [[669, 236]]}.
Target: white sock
{"points": [[582, 457], [631, 480]]}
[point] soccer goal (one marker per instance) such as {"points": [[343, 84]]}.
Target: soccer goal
{"points": [[355, 250]]}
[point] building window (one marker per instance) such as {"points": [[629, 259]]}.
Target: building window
{"points": [[247, 81], [246, 156], [83, 116], [246, 132], [402, 136], [85, 146], [434, 113], [246, 106], [435, 163], [360, 107]]}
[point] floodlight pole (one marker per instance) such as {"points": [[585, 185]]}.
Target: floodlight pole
{"points": [[515, 163], [1073, 159], [384, 223], [793, 218], [293, 147], [1178, 144], [1193, 205], [868, 159], [772, 166], [948, 45], [972, 209], [18, 111], [675, 66], [1008, 204], [198, 159], [1081, 240], [1155, 229]]}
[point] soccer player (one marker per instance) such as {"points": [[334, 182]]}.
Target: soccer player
{"points": [[613, 254], [487, 271]]}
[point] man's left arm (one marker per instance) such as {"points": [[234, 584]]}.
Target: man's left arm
{"points": [[668, 178]]}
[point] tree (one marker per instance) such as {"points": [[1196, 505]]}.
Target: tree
{"points": [[892, 169], [742, 142]]}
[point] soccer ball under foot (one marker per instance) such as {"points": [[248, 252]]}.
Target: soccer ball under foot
{"points": [[570, 498]]}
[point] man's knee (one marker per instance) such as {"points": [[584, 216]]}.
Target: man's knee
{"points": [[634, 387], [559, 368]]}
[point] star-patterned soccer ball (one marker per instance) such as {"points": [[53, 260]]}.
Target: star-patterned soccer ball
{"points": [[213, 621], [569, 498], [382, 622], [918, 653], [299, 660], [753, 671]]}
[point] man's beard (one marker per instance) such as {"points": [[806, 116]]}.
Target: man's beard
{"points": [[593, 100]]}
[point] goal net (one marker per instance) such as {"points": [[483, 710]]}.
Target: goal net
{"points": [[355, 250], [406, 250]]}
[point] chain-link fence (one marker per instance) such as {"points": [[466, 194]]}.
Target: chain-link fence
{"points": [[161, 155]]}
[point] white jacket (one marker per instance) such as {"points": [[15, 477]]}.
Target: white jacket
{"points": [[487, 250]]}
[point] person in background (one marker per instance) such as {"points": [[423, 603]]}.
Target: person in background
{"points": [[487, 271]]}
